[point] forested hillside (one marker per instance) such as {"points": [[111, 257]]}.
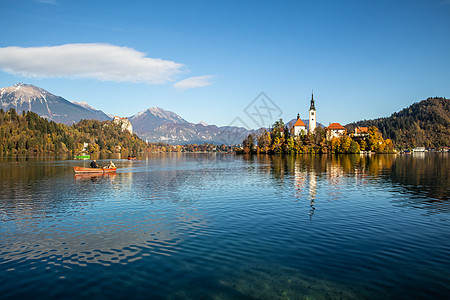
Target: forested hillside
{"points": [[29, 133], [426, 123]]}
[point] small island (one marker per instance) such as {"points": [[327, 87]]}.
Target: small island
{"points": [[423, 126]]}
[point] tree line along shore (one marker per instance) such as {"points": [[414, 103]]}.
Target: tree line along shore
{"points": [[29, 134], [280, 139], [423, 124]]}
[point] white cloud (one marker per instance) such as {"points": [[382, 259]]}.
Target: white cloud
{"points": [[97, 61], [194, 82]]}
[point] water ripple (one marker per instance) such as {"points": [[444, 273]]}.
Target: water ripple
{"points": [[202, 227]]}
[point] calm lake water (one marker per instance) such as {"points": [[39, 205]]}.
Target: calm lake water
{"points": [[203, 226]]}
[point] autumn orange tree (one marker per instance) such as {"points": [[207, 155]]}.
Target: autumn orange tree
{"points": [[280, 140]]}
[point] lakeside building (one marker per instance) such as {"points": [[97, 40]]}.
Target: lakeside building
{"points": [[335, 130], [298, 127], [361, 132], [419, 149]]}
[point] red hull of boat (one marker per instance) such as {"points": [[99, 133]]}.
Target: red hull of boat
{"points": [[94, 170]]}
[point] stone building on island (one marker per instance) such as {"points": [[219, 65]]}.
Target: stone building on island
{"points": [[298, 127], [333, 130]]}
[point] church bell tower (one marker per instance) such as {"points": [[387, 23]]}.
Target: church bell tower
{"points": [[312, 115]]}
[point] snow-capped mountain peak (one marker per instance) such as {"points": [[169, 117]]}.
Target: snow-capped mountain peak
{"points": [[160, 113], [28, 97], [83, 104]]}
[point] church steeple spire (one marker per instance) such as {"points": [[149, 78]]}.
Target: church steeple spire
{"points": [[312, 114], [312, 107]]}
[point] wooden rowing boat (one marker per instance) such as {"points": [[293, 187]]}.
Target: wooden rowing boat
{"points": [[94, 170], [94, 176]]}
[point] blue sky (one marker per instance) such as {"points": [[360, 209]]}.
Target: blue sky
{"points": [[208, 60]]}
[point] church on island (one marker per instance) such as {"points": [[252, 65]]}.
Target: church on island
{"points": [[299, 128]]}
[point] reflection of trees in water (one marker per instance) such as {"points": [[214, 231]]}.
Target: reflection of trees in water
{"points": [[307, 169], [282, 166], [424, 176]]}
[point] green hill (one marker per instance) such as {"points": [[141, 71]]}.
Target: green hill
{"points": [[32, 134], [426, 124]]}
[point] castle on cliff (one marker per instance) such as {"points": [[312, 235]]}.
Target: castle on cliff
{"points": [[124, 123]]}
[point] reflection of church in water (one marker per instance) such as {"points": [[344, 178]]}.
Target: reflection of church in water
{"points": [[305, 182], [331, 179]]}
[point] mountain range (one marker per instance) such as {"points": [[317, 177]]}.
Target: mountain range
{"points": [[29, 97], [426, 123], [159, 125], [154, 124]]}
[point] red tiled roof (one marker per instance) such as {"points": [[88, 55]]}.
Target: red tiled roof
{"points": [[336, 126], [362, 129], [299, 123]]}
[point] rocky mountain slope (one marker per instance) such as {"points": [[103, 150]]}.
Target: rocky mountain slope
{"points": [[158, 125], [152, 118], [28, 97]]}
